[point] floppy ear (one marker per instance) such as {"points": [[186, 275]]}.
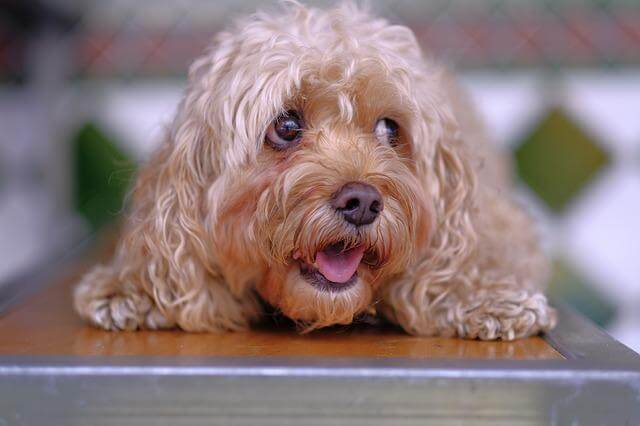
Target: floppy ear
{"points": [[166, 252], [450, 182], [445, 170]]}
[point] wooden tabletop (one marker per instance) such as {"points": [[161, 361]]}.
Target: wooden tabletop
{"points": [[45, 324]]}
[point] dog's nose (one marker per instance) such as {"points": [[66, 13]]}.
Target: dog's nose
{"points": [[359, 203]]}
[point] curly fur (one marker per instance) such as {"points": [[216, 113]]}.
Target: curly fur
{"points": [[217, 216]]}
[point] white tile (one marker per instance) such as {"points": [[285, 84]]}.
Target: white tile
{"points": [[31, 229], [626, 325], [607, 104], [603, 233], [510, 104], [137, 114], [547, 225]]}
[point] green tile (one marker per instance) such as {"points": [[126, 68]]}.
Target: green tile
{"points": [[102, 175], [558, 158], [569, 285]]}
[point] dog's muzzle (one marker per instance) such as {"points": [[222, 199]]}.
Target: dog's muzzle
{"points": [[358, 202]]}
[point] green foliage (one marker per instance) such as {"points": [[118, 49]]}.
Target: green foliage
{"points": [[102, 175]]}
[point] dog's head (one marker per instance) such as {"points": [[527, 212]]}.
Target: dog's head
{"points": [[327, 157]]}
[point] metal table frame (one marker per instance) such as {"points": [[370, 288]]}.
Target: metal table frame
{"points": [[597, 383]]}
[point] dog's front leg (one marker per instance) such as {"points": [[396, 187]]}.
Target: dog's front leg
{"points": [[129, 302], [467, 307], [105, 301]]}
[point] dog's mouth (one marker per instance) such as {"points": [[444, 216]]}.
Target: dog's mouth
{"points": [[335, 268]]}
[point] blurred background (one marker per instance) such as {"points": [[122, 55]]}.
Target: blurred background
{"points": [[87, 86]]}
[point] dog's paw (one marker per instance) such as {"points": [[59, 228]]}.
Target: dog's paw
{"points": [[505, 315], [156, 320], [101, 300], [129, 313], [119, 312]]}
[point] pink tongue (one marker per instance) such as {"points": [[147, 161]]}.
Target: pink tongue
{"points": [[339, 267]]}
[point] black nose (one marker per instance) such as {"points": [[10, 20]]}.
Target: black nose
{"points": [[359, 203]]}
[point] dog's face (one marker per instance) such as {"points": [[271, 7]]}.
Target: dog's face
{"points": [[324, 131], [344, 208]]}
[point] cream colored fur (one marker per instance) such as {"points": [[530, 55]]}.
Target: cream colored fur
{"points": [[217, 215]]}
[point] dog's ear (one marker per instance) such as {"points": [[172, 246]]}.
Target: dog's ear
{"points": [[166, 247], [450, 179], [166, 200]]}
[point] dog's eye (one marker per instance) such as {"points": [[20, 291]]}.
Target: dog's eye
{"points": [[387, 131], [285, 131]]}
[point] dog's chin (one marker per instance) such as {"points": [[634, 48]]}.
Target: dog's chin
{"points": [[333, 289], [309, 297]]}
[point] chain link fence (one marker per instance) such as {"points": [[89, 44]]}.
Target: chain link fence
{"points": [[122, 39]]}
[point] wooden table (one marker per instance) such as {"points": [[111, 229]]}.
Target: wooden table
{"points": [[45, 324], [363, 373]]}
